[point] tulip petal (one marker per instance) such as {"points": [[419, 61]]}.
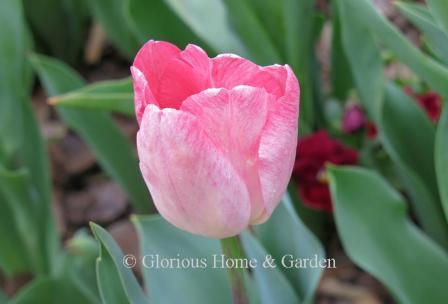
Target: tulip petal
{"points": [[271, 78], [171, 75], [234, 119], [278, 143], [193, 185], [231, 70], [149, 63], [184, 76], [142, 93], [152, 60]]}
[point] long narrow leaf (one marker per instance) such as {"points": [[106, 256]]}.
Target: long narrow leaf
{"points": [[112, 14], [408, 137], [299, 43], [19, 131], [117, 283], [156, 20], [251, 31], [113, 95], [436, 39], [112, 148], [285, 233], [439, 9], [61, 26], [208, 19], [364, 58], [272, 285], [432, 72], [441, 159]]}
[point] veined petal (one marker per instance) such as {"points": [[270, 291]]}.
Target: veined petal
{"points": [[272, 78], [194, 186], [278, 144], [142, 93], [231, 70], [233, 120]]}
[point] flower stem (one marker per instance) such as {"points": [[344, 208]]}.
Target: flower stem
{"points": [[232, 248]]}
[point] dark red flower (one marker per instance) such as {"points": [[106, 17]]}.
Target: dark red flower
{"points": [[372, 130], [431, 102], [313, 153], [353, 119]]}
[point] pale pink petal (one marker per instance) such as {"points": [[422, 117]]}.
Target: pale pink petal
{"points": [[142, 93], [234, 119], [271, 78], [278, 144], [192, 184], [231, 70]]}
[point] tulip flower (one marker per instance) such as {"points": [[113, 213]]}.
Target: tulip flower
{"points": [[217, 137]]}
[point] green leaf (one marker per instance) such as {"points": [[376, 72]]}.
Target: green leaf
{"points": [[51, 291], [364, 57], [19, 131], [439, 9], [112, 95], [16, 116], [112, 14], [341, 78], [271, 283], [428, 69], [193, 285], [441, 159], [79, 264], [285, 233], [408, 137], [208, 19], [299, 17], [60, 25], [14, 80], [23, 204], [376, 233], [271, 12], [155, 20], [114, 151], [117, 284], [252, 33], [13, 256], [436, 39]]}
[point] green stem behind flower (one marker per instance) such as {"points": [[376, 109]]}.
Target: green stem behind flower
{"points": [[232, 248]]}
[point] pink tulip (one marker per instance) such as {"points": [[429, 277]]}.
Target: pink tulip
{"points": [[217, 136]]}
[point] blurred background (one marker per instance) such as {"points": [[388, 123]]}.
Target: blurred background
{"points": [[67, 131]]}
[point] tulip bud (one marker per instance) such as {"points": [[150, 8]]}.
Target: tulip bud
{"points": [[217, 136]]}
